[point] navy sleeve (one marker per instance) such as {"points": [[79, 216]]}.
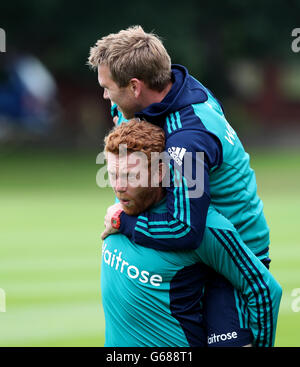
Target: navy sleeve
{"points": [[191, 153]]}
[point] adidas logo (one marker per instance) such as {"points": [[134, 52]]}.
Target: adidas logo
{"points": [[177, 154]]}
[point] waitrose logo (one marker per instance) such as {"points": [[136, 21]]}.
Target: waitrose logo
{"points": [[213, 338], [115, 261]]}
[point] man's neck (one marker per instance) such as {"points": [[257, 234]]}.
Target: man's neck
{"points": [[159, 194], [150, 96]]}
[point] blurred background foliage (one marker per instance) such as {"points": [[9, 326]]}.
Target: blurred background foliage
{"points": [[240, 50]]}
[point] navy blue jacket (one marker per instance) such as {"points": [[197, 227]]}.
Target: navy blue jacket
{"points": [[208, 166]]}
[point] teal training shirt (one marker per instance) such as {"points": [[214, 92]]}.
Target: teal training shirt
{"points": [[153, 298], [233, 185]]}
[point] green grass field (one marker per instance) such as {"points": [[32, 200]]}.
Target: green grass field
{"points": [[51, 218]]}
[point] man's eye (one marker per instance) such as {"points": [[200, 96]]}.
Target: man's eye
{"points": [[134, 177]]}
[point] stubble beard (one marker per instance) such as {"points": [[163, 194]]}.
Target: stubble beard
{"points": [[141, 203]]}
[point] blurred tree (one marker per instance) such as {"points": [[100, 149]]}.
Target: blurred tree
{"points": [[204, 36]]}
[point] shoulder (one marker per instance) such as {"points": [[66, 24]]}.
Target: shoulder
{"points": [[113, 240]]}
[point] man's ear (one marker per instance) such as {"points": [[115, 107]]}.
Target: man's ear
{"points": [[135, 86]]}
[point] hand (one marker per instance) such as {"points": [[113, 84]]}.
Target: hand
{"points": [[107, 220]]}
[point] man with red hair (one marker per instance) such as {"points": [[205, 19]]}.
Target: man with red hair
{"points": [[155, 298]]}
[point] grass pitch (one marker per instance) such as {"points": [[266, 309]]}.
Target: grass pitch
{"points": [[51, 218]]}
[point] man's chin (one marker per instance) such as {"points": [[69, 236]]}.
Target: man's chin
{"points": [[131, 211]]}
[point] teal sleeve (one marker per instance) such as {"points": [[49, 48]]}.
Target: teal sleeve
{"points": [[225, 252], [115, 112]]}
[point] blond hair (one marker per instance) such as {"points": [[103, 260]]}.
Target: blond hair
{"points": [[138, 136], [133, 53]]}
